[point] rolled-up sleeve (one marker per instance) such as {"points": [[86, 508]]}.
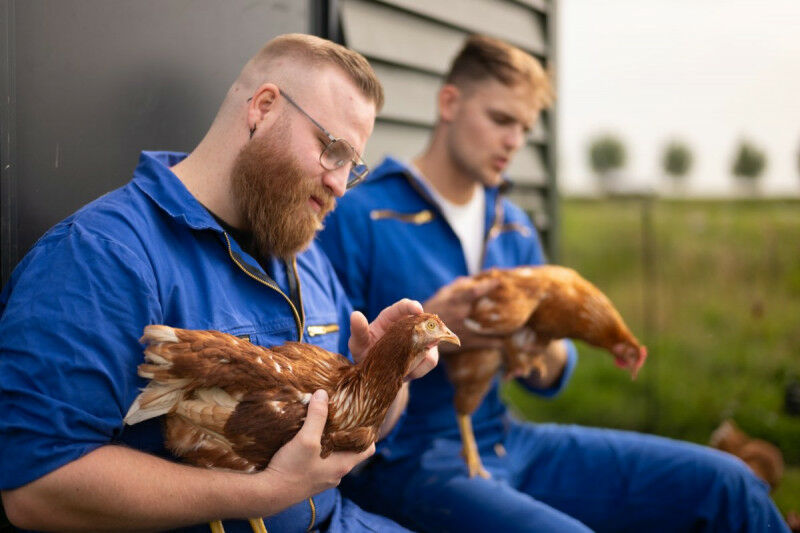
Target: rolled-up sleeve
{"points": [[71, 317]]}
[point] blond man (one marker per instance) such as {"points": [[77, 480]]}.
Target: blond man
{"points": [[413, 229]]}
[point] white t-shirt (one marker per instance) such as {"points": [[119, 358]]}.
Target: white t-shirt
{"points": [[468, 222]]}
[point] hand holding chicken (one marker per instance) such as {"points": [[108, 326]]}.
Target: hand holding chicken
{"points": [[364, 335], [232, 405], [534, 305]]}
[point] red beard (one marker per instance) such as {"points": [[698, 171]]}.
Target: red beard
{"points": [[273, 194]]}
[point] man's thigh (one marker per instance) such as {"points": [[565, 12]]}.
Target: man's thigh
{"points": [[624, 481], [433, 493], [458, 503], [348, 517]]}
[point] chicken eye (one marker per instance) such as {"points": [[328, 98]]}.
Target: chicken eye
{"points": [[431, 325]]}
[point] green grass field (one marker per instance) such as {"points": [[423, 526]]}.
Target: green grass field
{"points": [[713, 290]]}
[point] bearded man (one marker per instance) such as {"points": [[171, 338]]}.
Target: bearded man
{"points": [[219, 239]]}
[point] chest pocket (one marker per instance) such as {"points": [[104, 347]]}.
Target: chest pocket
{"points": [[324, 332], [321, 330], [271, 333]]}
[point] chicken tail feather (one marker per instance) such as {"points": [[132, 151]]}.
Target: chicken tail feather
{"points": [[155, 400], [157, 333]]}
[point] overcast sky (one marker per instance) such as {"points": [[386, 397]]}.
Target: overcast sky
{"points": [[710, 72]]}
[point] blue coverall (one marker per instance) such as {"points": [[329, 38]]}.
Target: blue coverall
{"points": [[387, 239], [75, 307]]}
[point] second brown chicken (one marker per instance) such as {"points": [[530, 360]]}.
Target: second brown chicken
{"points": [[529, 308]]}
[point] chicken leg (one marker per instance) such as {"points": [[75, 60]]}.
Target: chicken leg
{"points": [[470, 448], [471, 373], [256, 524]]}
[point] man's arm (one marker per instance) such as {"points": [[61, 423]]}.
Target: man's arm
{"points": [[118, 488]]}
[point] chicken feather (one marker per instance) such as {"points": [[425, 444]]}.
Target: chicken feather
{"points": [[230, 404]]}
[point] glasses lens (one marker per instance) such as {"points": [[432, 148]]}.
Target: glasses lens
{"points": [[337, 154], [340, 154], [357, 175]]}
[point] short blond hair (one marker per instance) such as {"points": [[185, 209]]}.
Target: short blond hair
{"points": [[483, 58], [318, 51]]}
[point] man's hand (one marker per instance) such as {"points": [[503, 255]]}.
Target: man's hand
{"points": [[453, 304], [363, 335], [553, 359], [298, 467]]}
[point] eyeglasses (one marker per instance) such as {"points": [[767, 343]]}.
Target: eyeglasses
{"points": [[338, 152]]}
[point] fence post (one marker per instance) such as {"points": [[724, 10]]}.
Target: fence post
{"points": [[649, 307]]}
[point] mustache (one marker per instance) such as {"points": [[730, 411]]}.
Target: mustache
{"points": [[326, 199]]}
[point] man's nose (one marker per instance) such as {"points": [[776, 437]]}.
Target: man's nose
{"points": [[336, 180], [514, 138]]}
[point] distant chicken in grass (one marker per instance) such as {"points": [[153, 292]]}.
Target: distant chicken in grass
{"points": [[528, 309], [793, 521], [765, 459], [231, 404]]}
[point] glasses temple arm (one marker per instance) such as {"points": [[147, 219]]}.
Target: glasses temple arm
{"points": [[309, 117]]}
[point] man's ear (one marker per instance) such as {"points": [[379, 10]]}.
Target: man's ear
{"points": [[449, 99], [261, 105]]}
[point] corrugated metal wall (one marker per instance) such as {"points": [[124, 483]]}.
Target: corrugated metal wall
{"points": [[411, 44]]}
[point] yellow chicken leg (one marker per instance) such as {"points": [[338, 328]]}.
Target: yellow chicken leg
{"points": [[256, 524], [470, 450]]}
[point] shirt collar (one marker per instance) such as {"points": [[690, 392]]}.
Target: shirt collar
{"points": [[154, 177], [391, 166]]}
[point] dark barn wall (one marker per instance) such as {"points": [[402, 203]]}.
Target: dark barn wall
{"points": [[88, 84]]}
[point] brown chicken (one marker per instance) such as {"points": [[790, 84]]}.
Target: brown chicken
{"points": [[793, 521], [528, 309], [231, 404], [765, 459]]}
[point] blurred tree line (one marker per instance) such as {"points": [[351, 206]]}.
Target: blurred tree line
{"points": [[608, 155]]}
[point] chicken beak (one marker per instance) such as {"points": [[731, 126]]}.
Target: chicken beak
{"points": [[449, 336]]}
